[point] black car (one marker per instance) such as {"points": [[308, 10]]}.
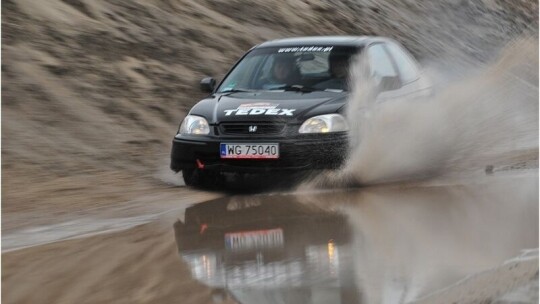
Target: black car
{"points": [[281, 107]]}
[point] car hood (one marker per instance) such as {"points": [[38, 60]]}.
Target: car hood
{"points": [[290, 107]]}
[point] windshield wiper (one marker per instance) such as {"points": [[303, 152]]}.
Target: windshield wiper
{"points": [[232, 91], [297, 88], [236, 91]]}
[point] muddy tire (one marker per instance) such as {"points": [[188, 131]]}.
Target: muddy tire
{"points": [[200, 179], [191, 177]]}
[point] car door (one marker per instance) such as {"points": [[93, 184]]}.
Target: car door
{"points": [[414, 84], [387, 59], [382, 66]]}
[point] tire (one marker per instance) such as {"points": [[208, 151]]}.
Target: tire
{"points": [[199, 179], [191, 177]]}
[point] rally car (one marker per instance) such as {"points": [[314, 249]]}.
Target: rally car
{"points": [[281, 106]]}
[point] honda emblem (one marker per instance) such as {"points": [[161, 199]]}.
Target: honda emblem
{"points": [[252, 129]]}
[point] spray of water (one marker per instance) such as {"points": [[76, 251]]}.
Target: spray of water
{"points": [[461, 127]]}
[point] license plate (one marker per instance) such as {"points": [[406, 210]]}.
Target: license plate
{"points": [[272, 238], [249, 151]]}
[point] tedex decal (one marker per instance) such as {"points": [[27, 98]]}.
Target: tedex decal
{"points": [[260, 108]]}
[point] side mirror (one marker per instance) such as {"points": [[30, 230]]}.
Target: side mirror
{"points": [[389, 83], [207, 85]]}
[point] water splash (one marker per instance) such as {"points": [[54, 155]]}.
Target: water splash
{"points": [[466, 125]]}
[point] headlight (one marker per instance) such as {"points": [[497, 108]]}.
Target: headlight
{"points": [[194, 125], [324, 124]]}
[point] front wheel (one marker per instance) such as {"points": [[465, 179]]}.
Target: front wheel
{"points": [[200, 179]]}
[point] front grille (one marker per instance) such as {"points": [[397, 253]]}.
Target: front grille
{"points": [[255, 128]]}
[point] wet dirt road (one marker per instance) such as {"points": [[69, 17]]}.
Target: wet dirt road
{"points": [[432, 243]]}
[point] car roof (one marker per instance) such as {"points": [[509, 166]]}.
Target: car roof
{"points": [[320, 41]]}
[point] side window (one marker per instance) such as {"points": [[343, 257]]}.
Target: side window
{"points": [[407, 67], [380, 63]]}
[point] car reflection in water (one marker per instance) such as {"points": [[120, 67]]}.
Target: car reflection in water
{"points": [[269, 249], [374, 245]]}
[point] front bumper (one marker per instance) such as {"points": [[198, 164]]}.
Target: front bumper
{"points": [[321, 151]]}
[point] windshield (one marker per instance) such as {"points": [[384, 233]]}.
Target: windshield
{"points": [[285, 68]]}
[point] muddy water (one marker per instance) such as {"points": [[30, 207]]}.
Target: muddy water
{"points": [[437, 242], [99, 220], [372, 245]]}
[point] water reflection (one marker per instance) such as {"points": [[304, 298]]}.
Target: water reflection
{"points": [[376, 245], [269, 247]]}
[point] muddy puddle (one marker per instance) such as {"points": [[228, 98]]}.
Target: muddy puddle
{"points": [[392, 244]]}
